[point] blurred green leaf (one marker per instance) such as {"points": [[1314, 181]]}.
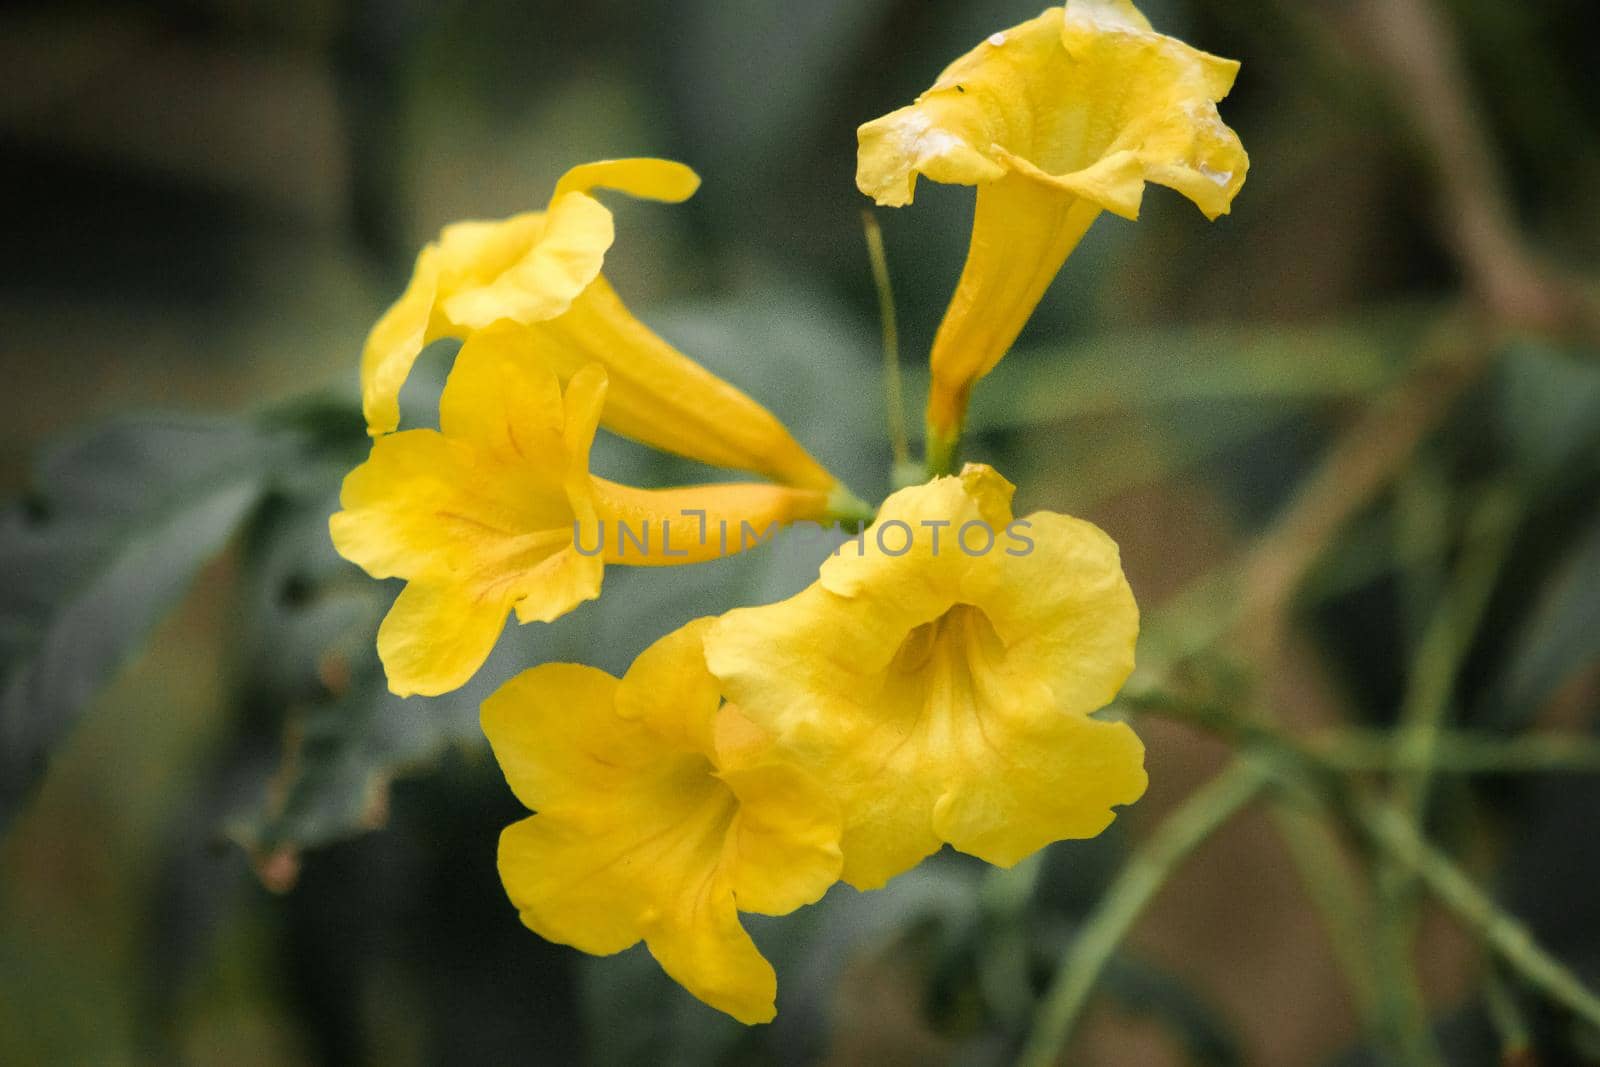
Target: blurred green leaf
{"points": [[1128, 452], [120, 521], [759, 78], [307, 661], [1116, 373]]}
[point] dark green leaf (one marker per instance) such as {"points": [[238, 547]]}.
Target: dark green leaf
{"points": [[120, 521]]}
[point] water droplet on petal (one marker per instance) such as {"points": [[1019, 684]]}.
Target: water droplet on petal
{"points": [[997, 39], [1221, 177]]}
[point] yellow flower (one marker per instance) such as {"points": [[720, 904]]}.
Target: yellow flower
{"points": [[1054, 121], [938, 679], [541, 270], [660, 817], [497, 512]]}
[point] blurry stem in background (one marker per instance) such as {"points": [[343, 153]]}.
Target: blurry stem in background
{"points": [[893, 390], [1422, 502], [1500, 932], [1386, 829], [1458, 752], [1365, 459], [1147, 870], [1505, 1015], [1319, 860], [1445, 642], [1357, 751], [1248, 600], [1413, 41], [1402, 1016]]}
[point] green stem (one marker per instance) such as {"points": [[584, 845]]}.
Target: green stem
{"points": [[1505, 1015], [1502, 933], [847, 509], [1423, 712], [1403, 1013], [1445, 644], [1387, 829], [1461, 752], [1354, 751], [894, 390], [1316, 854], [1141, 878], [942, 453]]}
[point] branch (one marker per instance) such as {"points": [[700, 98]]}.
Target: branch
{"points": [[1364, 460], [1506, 936], [1411, 39], [1385, 828], [1206, 811]]}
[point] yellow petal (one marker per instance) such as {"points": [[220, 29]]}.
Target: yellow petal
{"points": [[526, 268], [546, 278], [1056, 97], [391, 505], [1022, 232], [1065, 607], [426, 507], [435, 638], [541, 271], [703, 947], [786, 838], [557, 584], [675, 665], [639, 833], [543, 864], [502, 400], [662, 398], [394, 343], [649, 179], [477, 251], [943, 696], [628, 823], [918, 531], [433, 506], [1110, 13], [1025, 795], [583, 402], [556, 737], [480, 517]]}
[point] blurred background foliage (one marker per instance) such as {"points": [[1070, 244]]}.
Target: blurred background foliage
{"points": [[1348, 437]]}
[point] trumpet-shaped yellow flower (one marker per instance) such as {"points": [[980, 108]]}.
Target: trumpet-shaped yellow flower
{"points": [[541, 270], [497, 512], [1055, 120], [938, 679], [660, 816]]}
